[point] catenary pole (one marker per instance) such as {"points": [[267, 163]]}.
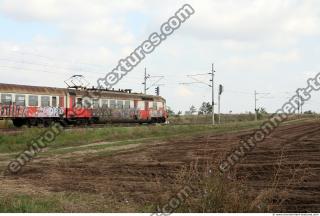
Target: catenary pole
{"points": [[212, 88]]}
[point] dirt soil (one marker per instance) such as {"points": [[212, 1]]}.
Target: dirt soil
{"points": [[290, 157]]}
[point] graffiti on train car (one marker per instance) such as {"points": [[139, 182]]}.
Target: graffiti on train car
{"points": [[125, 113], [101, 112], [22, 111], [12, 111], [108, 113], [49, 112], [156, 113]]}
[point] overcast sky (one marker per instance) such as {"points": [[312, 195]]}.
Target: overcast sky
{"points": [[265, 45]]}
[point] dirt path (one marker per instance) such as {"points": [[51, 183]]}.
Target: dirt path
{"points": [[138, 174]]}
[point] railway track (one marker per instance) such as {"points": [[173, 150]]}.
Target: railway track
{"points": [[69, 128]]}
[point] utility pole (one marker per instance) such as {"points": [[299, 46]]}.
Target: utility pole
{"points": [[255, 102], [211, 85], [219, 102], [219, 108], [255, 106], [212, 89], [298, 105], [146, 77], [145, 80]]}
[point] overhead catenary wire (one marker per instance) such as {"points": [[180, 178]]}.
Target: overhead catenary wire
{"points": [[62, 67]]}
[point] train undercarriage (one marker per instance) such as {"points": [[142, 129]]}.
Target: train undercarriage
{"points": [[46, 122]]}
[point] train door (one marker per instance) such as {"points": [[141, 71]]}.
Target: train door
{"points": [[146, 110], [146, 105], [71, 100], [61, 101], [135, 104]]}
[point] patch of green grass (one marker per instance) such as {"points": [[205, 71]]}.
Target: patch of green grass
{"points": [[63, 202], [72, 138], [28, 204], [18, 142], [105, 147], [85, 136], [195, 190]]}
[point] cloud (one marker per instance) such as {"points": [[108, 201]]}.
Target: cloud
{"points": [[182, 91], [254, 20], [265, 58], [78, 20], [56, 10]]}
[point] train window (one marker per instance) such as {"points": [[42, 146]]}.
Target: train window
{"points": [[20, 100], [33, 100], [95, 103], [141, 105], [119, 104], [154, 106], [159, 104], [79, 102], [127, 104], [87, 102], [54, 101], [104, 103], [45, 101], [6, 99], [112, 104]]}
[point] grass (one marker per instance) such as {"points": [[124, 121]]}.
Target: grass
{"points": [[220, 195], [28, 204], [103, 147], [207, 119], [216, 193], [10, 143], [62, 202], [208, 191], [227, 118]]}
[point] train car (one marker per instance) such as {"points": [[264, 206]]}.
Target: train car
{"points": [[34, 105]]}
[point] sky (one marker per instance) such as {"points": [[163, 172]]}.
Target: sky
{"points": [[271, 46]]}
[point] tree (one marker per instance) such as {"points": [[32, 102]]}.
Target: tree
{"points": [[263, 111], [205, 109], [179, 113], [170, 111], [192, 110], [309, 112]]}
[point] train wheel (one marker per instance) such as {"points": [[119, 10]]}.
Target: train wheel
{"points": [[63, 123], [32, 122], [18, 122], [86, 122], [78, 122], [47, 122]]}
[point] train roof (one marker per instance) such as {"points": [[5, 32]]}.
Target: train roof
{"points": [[43, 90], [26, 89]]}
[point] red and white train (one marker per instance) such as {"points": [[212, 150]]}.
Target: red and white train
{"points": [[34, 105]]}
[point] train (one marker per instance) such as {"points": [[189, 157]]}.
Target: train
{"points": [[38, 105]]}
